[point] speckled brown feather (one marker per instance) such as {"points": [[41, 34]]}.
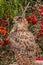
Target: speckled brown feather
{"points": [[22, 42]]}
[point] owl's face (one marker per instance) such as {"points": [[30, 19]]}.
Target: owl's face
{"points": [[21, 23]]}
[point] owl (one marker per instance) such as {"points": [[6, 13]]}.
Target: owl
{"points": [[22, 42]]}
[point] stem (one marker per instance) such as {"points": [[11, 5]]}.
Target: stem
{"points": [[23, 15]]}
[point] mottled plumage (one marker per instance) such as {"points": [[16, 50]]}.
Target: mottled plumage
{"points": [[22, 42]]}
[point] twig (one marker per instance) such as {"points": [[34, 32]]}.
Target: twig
{"points": [[23, 15]]}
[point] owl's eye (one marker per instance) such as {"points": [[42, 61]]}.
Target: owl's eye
{"points": [[20, 19], [34, 0]]}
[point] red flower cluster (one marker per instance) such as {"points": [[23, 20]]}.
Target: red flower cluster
{"points": [[5, 42], [32, 18], [41, 10], [2, 21], [42, 22], [1, 43], [2, 30], [41, 27], [39, 58], [41, 30], [28, 18]]}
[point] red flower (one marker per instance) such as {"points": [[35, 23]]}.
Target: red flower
{"points": [[33, 19], [41, 32], [1, 43], [41, 7], [5, 41], [28, 18], [41, 10], [41, 28], [42, 22], [3, 21], [33, 8], [38, 58], [1, 27], [3, 32], [41, 13]]}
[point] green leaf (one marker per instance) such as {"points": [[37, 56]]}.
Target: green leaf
{"points": [[1, 11], [15, 1], [29, 25], [2, 2]]}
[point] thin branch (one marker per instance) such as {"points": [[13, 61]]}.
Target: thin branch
{"points": [[23, 15]]}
